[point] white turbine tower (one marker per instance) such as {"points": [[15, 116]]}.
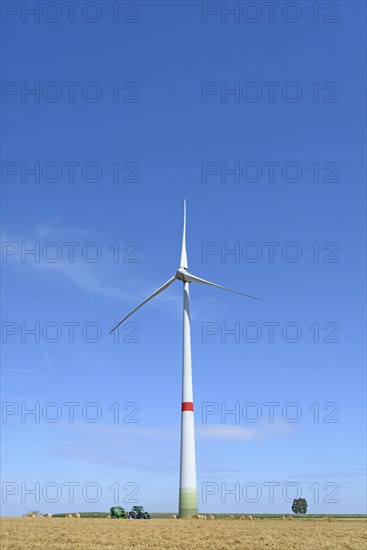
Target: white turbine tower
{"points": [[188, 495]]}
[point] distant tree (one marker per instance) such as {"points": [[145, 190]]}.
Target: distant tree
{"points": [[299, 506]]}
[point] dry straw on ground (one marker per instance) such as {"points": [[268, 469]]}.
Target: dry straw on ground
{"points": [[165, 534]]}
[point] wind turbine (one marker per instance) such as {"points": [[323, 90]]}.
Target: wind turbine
{"points": [[188, 495]]}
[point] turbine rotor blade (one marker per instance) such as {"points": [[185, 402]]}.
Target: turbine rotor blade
{"points": [[183, 260], [193, 279], [158, 291]]}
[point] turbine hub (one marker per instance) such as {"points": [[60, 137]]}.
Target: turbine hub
{"points": [[182, 275]]}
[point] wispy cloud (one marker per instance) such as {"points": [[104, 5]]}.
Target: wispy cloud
{"points": [[92, 441], [203, 431], [96, 455], [351, 474], [129, 430], [53, 229], [242, 433], [104, 277], [16, 371], [121, 281], [47, 358]]}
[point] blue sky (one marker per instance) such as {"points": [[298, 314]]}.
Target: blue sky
{"points": [[174, 132]]}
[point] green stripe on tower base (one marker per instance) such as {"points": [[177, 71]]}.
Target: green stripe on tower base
{"points": [[188, 503]]}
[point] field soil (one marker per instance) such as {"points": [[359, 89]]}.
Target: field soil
{"points": [[170, 534]]}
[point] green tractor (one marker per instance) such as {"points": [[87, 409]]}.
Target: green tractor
{"points": [[138, 513], [117, 512]]}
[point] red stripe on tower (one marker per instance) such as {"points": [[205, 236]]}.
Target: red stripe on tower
{"points": [[188, 406]]}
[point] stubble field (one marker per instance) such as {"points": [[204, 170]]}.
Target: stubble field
{"points": [[161, 534]]}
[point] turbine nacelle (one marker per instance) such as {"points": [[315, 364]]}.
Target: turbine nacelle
{"points": [[183, 275]]}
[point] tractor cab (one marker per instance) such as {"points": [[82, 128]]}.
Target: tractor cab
{"points": [[138, 512], [138, 509]]}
